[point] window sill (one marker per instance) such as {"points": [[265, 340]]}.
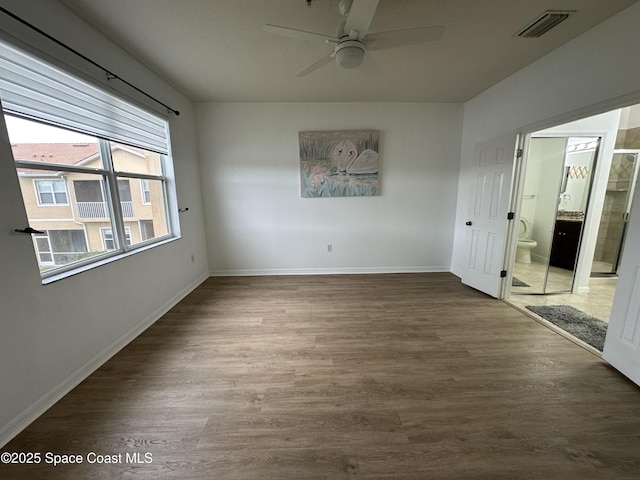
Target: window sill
{"points": [[106, 260]]}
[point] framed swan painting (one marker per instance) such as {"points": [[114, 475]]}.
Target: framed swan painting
{"points": [[339, 163]]}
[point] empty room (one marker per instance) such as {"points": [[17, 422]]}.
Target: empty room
{"points": [[287, 239]]}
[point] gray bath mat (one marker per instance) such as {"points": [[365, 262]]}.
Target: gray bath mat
{"points": [[516, 282], [585, 327]]}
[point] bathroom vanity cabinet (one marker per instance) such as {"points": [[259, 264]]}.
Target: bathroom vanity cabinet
{"points": [[566, 240]]}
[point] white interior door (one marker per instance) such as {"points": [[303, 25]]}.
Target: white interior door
{"points": [[487, 215], [622, 345]]}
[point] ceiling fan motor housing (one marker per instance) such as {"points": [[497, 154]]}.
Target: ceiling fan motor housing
{"points": [[349, 53]]}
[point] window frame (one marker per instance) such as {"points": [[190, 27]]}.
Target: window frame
{"points": [[103, 237], [110, 178], [38, 192], [39, 253], [45, 88]]}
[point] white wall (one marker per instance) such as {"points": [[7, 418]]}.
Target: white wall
{"points": [[53, 336], [257, 222], [588, 75], [630, 117]]}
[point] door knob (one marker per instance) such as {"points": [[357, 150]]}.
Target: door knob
{"points": [[468, 224]]}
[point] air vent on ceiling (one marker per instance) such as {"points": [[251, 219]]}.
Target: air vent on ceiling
{"points": [[544, 23]]}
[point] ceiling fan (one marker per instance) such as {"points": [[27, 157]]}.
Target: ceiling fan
{"points": [[353, 39]]}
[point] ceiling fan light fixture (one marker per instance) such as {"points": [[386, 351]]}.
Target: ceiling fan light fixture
{"points": [[352, 42], [349, 54]]}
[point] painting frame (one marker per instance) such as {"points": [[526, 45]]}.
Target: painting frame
{"points": [[339, 163]]}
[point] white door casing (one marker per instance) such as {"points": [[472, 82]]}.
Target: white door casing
{"points": [[487, 215], [622, 344]]}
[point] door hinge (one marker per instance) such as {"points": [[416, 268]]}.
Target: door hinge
{"points": [[503, 273], [519, 153], [511, 215]]}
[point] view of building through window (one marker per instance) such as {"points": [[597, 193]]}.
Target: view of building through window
{"points": [[82, 204]]}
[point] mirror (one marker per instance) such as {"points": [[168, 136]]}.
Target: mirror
{"points": [[555, 196]]}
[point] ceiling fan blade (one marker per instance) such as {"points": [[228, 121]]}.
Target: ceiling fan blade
{"points": [[315, 66], [400, 38], [299, 34], [360, 17]]}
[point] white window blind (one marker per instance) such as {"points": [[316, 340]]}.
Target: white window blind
{"points": [[32, 88]]}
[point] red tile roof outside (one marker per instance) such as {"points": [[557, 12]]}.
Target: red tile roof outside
{"points": [[53, 153], [56, 153]]}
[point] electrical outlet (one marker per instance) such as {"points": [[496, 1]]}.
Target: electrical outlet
{"points": [[330, 248]]}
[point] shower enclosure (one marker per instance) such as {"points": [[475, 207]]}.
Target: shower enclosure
{"points": [[615, 213]]}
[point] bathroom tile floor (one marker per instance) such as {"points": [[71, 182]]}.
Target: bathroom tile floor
{"points": [[597, 302]]}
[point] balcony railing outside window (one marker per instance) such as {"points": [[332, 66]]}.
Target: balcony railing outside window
{"points": [[99, 209]]}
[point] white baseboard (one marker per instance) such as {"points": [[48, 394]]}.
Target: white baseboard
{"points": [[32, 412], [325, 271]]}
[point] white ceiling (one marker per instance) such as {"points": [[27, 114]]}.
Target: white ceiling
{"points": [[216, 50]]}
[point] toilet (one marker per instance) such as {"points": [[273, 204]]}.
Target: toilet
{"points": [[525, 244]]}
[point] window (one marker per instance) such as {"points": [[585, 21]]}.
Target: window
{"points": [[80, 148], [146, 229], [60, 247], [51, 192], [146, 191], [67, 245], [126, 203], [108, 240], [90, 199], [100, 198], [43, 249]]}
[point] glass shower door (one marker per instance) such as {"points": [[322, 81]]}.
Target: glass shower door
{"points": [[615, 213]]}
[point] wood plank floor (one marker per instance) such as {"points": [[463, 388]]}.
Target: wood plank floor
{"points": [[399, 376]]}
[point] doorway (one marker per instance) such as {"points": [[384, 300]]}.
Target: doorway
{"points": [[619, 133], [560, 208]]}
